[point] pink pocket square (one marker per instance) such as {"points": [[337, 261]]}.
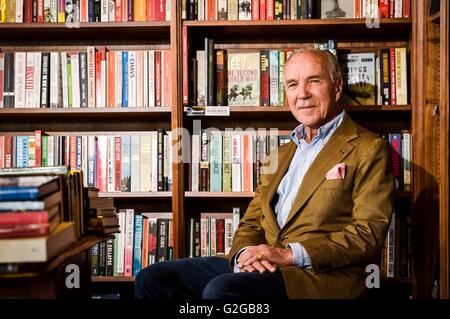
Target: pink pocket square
{"points": [[337, 172]]}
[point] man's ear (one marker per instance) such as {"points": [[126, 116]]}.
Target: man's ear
{"points": [[338, 86]]}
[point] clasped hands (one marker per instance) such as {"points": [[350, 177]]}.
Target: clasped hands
{"points": [[263, 258]]}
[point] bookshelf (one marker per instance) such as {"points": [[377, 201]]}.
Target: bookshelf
{"points": [[429, 196]]}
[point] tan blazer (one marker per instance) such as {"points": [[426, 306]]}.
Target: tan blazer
{"points": [[342, 224]]}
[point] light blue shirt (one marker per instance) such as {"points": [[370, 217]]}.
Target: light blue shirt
{"points": [[300, 164], [290, 184]]}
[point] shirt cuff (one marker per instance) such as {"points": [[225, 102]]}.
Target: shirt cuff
{"points": [[299, 255], [236, 267]]}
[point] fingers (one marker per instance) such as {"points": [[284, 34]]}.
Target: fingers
{"points": [[269, 266], [248, 268], [259, 267]]}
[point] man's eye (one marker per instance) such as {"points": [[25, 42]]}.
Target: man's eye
{"points": [[315, 81]]}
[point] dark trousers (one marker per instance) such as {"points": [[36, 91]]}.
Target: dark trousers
{"points": [[207, 278]]}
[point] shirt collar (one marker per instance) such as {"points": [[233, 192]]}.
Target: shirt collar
{"points": [[299, 134]]}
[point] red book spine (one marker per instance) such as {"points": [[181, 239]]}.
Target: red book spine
{"points": [[2, 151], [393, 78], [40, 11], [22, 218], [158, 78], [357, 9], [406, 8], [73, 152], [8, 151], [391, 8], [22, 231], [262, 9], [124, 10], [150, 10], [38, 147], [98, 77], [384, 8], [270, 10], [28, 11], [118, 10], [212, 10], [118, 162], [160, 10], [255, 9]]}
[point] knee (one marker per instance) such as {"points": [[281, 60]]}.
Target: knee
{"points": [[149, 278], [220, 287]]}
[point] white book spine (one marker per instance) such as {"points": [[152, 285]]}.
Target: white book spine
{"points": [[110, 164], [37, 79], [401, 76], [201, 10], [139, 79], [20, 64], [236, 218], [195, 163], [145, 78], [146, 163], [167, 10], [154, 152], [19, 12], [91, 76], [54, 10], [151, 78], [169, 153], [51, 151], [29, 80], [104, 10], [129, 236], [75, 64], [236, 166], [131, 78], [135, 163], [55, 80], [112, 11], [84, 159], [121, 243], [64, 76], [103, 75], [228, 235]]}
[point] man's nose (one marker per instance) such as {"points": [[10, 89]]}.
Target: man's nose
{"points": [[303, 92]]}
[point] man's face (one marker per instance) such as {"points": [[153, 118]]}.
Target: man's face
{"points": [[311, 94]]}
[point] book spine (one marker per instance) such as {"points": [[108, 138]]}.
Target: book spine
{"points": [[137, 254], [129, 232]]}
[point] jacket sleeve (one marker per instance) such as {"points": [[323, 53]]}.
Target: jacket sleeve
{"points": [[361, 240]]}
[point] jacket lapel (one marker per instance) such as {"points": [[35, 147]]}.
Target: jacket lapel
{"points": [[336, 149], [284, 159]]}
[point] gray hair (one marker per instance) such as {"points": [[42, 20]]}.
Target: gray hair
{"points": [[333, 65]]}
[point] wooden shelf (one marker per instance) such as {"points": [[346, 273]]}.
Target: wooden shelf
{"points": [[38, 269], [251, 194], [135, 194], [112, 279], [277, 29], [84, 119], [85, 31], [219, 194]]}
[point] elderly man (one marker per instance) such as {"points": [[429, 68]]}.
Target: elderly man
{"points": [[315, 223]]}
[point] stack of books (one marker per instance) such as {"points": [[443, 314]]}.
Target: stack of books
{"points": [[103, 218], [31, 218]]}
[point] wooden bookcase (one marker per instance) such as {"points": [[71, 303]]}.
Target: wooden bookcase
{"points": [[422, 34]]}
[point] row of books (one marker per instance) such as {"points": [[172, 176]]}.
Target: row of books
{"points": [[48, 11], [212, 233], [138, 162], [92, 78], [230, 161], [144, 239], [33, 227], [396, 252], [257, 78], [401, 156], [295, 9]]}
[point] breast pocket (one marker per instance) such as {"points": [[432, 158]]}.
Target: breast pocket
{"points": [[334, 184]]}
